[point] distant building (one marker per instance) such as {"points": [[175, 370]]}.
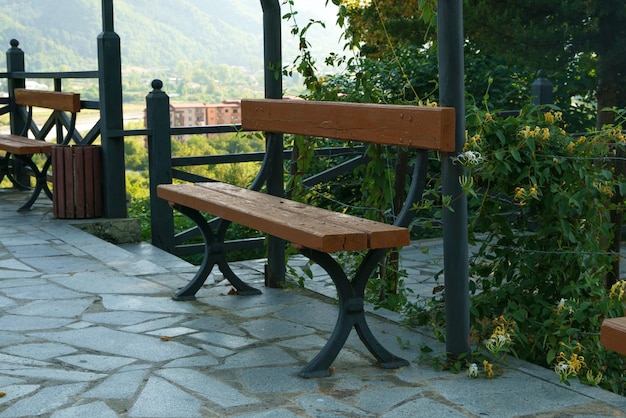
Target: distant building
{"points": [[201, 114]]}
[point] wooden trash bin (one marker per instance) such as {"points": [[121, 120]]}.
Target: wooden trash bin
{"points": [[77, 181]]}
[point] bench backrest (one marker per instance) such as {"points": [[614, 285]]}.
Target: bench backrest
{"points": [[56, 100], [430, 128]]}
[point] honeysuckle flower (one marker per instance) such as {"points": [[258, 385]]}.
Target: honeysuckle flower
{"points": [[472, 371]]}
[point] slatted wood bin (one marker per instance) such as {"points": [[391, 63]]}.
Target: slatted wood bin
{"points": [[77, 181]]}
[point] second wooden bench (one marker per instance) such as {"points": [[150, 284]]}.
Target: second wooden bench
{"points": [[24, 148], [316, 232]]}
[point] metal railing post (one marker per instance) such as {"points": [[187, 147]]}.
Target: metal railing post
{"points": [[541, 90], [111, 116], [275, 268], [15, 63], [159, 165], [455, 218]]}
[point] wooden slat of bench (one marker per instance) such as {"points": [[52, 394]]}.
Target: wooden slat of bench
{"points": [[613, 334], [430, 128], [380, 235], [271, 215], [271, 220], [20, 145], [56, 100]]}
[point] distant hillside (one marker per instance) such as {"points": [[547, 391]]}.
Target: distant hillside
{"points": [[154, 34]]}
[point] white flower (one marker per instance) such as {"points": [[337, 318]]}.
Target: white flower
{"points": [[472, 371], [469, 158]]}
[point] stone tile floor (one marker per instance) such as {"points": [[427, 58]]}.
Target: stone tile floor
{"points": [[89, 329]]}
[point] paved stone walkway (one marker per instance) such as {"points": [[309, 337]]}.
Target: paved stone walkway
{"points": [[88, 329]]}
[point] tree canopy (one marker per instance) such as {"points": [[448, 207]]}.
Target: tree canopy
{"points": [[579, 43]]}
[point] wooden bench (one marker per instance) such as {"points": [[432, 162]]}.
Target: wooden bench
{"points": [[24, 148], [613, 334], [316, 232]]}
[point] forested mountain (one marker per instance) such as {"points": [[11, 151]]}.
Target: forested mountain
{"points": [[154, 34]]}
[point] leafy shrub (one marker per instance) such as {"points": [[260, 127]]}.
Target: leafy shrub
{"points": [[540, 201]]}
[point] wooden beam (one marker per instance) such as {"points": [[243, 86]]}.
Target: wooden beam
{"points": [[56, 100], [431, 128], [613, 334]]}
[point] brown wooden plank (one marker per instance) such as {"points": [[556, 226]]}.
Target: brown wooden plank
{"points": [[613, 334], [310, 233], [20, 145], [68, 176], [88, 180], [431, 128], [97, 180], [80, 186], [380, 235], [58, 200], [56, 100]]}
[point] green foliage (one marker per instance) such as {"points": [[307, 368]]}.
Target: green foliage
{"points": [[541, 212]]}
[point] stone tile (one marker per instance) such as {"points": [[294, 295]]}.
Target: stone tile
{"points": [[121, 385], [95, 409], [44, 291], [162, 399], [39, 351], [215, 323], [271, 328], [63, 264], [193, 362], [97, 362], [154, 324], [271, 413], [13, 392], [172, 332], [120, 317], [6, 302], [221, 339], [506, 396], [426, 408], [104, 340], [147, 304], [31, 323], [137, 267], [379, 400], [45, 401], [322, 405], [51, 373], [255, 357], [69, 308], [209, 388], [280, 379], [106, 281]]}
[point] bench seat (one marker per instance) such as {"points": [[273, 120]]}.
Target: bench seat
{"points": [[20, 145], [303, 225]]}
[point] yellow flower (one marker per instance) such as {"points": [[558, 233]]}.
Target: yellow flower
{"points": [[617, 290], [488, 368]]}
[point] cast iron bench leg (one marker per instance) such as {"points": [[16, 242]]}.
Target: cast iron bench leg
{"points": [[40, 181], [351, 314], [213, 255]]}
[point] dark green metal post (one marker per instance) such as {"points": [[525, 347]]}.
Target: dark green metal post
{"points": [[455, 223], [160, 165], [541, 90], [111, 115], [15, 63], [275, 269]]}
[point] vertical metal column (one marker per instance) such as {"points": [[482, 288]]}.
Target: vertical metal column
{"points": [[455, 223], [275, 269], [111, 116], [160, 165], [15, 63]]}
